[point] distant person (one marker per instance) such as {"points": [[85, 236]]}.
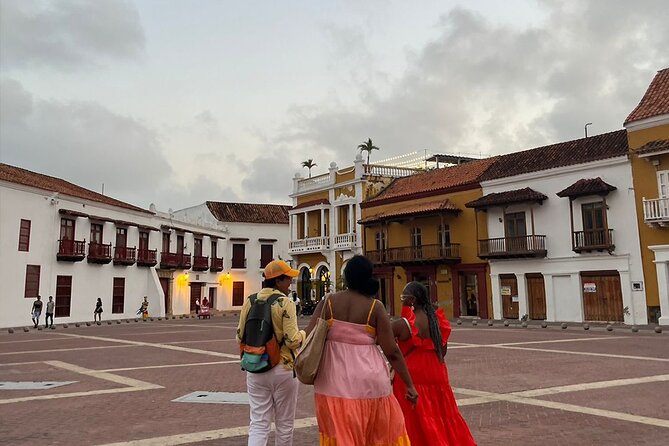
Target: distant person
{"points": [[50, 305], [313, 295], [97, 313], [197, 305], [422, 334], [36, 310], [297, 302], [144, 308], [353, 396]]}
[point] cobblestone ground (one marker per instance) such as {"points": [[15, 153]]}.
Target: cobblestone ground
{"points": [[514, 385]]}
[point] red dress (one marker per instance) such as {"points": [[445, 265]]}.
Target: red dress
{"points": [[436, 420]]}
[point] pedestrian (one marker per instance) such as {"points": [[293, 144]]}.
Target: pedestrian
{"points": [[144, 308], [297, 302], [270, 379], [353, 396], [36, 310], [197, 305], [50, 305], [423, 333], [97, 313]]}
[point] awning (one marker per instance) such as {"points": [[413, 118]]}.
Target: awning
{"points": [[422, 209], [656, 147], [526, 195], [586, 186]]}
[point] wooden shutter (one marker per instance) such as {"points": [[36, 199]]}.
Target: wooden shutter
{"points": [[118, 295], [31, 289], [63, 296], [266, 254], [238, 255], [237, 294], [24, 235]]}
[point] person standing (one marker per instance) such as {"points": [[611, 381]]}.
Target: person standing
{"points": [[97, 313], [353, 396], [144, 309], [36, 310], [50, 305], [197, 305], [423, 333], [297, 302], [272, 389]]}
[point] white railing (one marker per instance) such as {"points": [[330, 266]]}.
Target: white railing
{"points": [[389, 171], [312, 244], [656, 210], [344, 241], [314, 182]]}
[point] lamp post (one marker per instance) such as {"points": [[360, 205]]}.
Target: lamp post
{"points": [[585, 128]]}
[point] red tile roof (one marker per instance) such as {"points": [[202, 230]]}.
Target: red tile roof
{"points": [[508, 197], [249, 212], [587, 186], [47, 183], [655, 101], [568, 153], [307, 204], [432, 182], [430, 207], [659, 145]]}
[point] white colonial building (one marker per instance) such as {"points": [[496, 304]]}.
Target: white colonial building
{"points": [[562, 238]]}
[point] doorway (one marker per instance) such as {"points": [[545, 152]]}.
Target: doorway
{"points": [[509, 290], [195, 294], [536, 296], [165, 285]]}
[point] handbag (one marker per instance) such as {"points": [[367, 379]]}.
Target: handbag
{"points": [[309, 356]]}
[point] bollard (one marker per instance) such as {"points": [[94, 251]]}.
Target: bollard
{"points": [[544, 325], [490, 323], [523, 324], [10, 330], [586, 327], [609, 327], [658, 329], [506, 323], [564, 325], [458, 322]]}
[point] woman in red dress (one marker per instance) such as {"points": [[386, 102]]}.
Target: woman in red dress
{"points": [[422, 335]]}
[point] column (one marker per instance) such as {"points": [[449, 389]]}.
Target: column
{"points": [[630, 316], [351, 218], [322, 222], [306, 225], [550, 297], [523, 305], [496, 297], [663, 290], [334, 222]]}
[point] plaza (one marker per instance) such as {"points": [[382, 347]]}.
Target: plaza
{"points": [[514, 385]]}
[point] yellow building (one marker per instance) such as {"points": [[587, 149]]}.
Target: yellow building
{"points": [[648, 136], [419, 229]]}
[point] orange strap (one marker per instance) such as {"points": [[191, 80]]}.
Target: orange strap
{"points": [[369, 315], [331, 312]]}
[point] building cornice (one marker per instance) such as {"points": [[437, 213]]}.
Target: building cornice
{"points": [[415, 196], [642, 124], [328, 187]]}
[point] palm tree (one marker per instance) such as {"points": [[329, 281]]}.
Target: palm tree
{"points": [[367, 146], [309, 164]]}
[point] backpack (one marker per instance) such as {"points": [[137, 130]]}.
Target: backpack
{"points": [[259, 349]]}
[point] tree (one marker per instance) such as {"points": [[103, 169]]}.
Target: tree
{"points": [[309, 164], [367, 146]]}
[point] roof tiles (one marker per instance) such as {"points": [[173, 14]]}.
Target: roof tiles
{"points": [[655, 101], [249, 212], [508, 197], [415, 209], [587, 186]]}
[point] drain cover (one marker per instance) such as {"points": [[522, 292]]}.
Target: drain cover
{"points": [[214, 398], [32, 385]]}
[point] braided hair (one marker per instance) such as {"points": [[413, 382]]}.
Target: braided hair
{"points": [[419, 291]]}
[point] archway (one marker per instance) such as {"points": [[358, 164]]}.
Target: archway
{"points": [[322, 282]]}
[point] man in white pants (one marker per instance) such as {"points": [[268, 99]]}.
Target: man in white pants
{"points": [[273, 394]]}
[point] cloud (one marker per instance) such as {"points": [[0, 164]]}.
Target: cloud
{"points": [[482, 87], [67, 33]]}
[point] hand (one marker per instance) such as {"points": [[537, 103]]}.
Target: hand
{"points": [[412, 395]]}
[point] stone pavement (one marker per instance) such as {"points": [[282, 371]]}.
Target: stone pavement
{"points": [[514, 385]]}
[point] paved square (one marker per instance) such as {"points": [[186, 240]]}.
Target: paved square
{"points": [[514, 385]]}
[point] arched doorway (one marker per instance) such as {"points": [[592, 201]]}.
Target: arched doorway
{"points": [[323, 282], [304, 284]]}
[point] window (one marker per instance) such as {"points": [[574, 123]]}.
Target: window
{"points": [[63, 296], [66, 229], [514, 224], [166, 242], [237, 294], [444, 235], [180, 244], [238, 255], [96, 233], [416, 237], [214, 249], [31, 289], [121, 237], [663, 183], [24, 235], [143, 241], [118, 295], [380, 241], [266, 254], [593, 217], [197, 247]]}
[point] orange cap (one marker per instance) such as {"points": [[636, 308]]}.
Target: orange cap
{"points": [[277, 268]]}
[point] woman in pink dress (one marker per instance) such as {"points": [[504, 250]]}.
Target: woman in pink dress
{"points": [[354, 399]]}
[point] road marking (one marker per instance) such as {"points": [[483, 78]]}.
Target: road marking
{"points": [[52, 350], [157, 345], [591, 386], [605, 338], [567, 352], [7, 364], [31, 340], [193, 364], [200, 340]]}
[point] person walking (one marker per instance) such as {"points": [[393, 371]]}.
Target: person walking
{"points": [[422, 333], [144, 308], [50, 305], [297, 302], [270, 379], [354, 400], [36, 310], [197, 305], [97, 313]]}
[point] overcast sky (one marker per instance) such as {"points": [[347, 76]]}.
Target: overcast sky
{"points": [[178, 102]]}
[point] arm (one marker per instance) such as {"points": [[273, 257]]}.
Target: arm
{"points": [[401, 330], [292, 335], [314, 317]]}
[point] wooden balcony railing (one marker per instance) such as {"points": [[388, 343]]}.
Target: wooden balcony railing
{"points": [[124, 255], [238, 263], [513, 247], [216, 264], [593, 240], [147, 257], [200, 263], [169, 260], [184, 260], [99, 253], [71, 250], [416, 254], [656, 211]]}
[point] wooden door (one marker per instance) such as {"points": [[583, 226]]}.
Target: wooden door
{"points": [[212, 298], [602, 296], [515, 231], [165, 285], [237, 294], [536, 296], [195, 294], [63, 296], [509, 289]]}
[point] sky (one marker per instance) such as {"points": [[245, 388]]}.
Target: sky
{"points": [[179, 102]]}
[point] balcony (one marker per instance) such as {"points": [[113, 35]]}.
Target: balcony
{"points": [[416, 255], [200, 263], [593, 240], [216, 265], [169, 260], [313, 244], [238, 263], [344, 241], [99, 253], [147, 257], [184, 261], [656, 211], [71, 250], [530, 246], [124, 256]]}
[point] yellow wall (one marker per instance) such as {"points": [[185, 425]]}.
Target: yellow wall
{"points": [[345, 175], [645, 186], [323, 195]]}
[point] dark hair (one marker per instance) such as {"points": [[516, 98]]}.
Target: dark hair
{"points": [[419, 291], [271, 283], [358, 276]]}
